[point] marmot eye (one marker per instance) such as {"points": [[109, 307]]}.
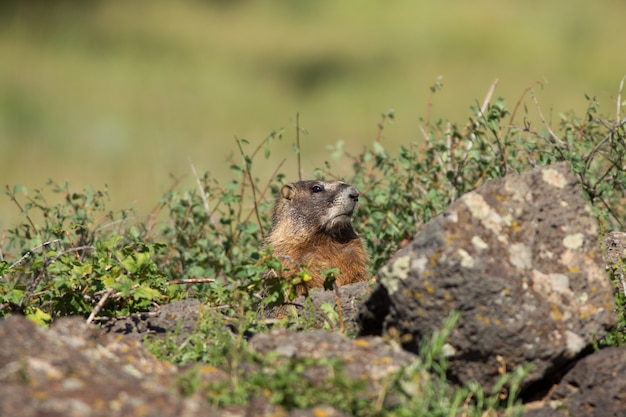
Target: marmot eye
{"points": [[317, 189]]}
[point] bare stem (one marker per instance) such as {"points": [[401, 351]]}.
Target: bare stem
{"points": [[100, 304], [298, 146], [252, 185]]}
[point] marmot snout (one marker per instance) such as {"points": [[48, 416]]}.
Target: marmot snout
{"points": [[312, 228]]}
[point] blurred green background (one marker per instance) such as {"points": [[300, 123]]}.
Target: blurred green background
{"points": [[126, 93]]}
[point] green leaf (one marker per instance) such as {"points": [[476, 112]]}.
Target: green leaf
{"points": [[146, 293], [40, 317], [19, 189]]}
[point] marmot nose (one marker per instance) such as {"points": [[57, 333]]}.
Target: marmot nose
{"points": [[353, 193]]}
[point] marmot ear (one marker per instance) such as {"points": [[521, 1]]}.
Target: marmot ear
{"points": [[287, 191]]}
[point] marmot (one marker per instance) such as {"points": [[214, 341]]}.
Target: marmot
{"points": [[312, 228]]}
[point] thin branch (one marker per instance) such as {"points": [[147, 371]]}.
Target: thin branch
{"points": [[205, 200], [190, 281], [100, 304], [619, 101], [76, 249], [30, 252], [252, 185], [4, 235], [483, 107], [263, 192], [518, 104], [487, 99], [19, 206], [298, 146], [543, 120]]}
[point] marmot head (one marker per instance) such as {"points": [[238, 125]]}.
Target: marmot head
{"points": [[317, 206]]}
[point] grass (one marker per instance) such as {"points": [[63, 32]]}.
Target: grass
{"points": [[97, 96]]}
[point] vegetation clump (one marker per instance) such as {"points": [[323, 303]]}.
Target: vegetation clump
{"points": [[73, 257]]}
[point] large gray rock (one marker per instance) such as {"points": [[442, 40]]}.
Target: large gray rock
{"points": [[519, 259], [73, 371], [595, 386]]}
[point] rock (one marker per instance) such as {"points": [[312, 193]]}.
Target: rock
{"points": [[370, 359], [614, 245], [74, 369], [595, 386], [181, 316], [70, 372], [518, 258], [311, 310]]}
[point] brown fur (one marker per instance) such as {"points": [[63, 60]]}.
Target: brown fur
{"points": [[312, 228]]}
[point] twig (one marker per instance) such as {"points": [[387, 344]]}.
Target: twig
{"points": [[543, 120], [518, 104], [619, 102], [298, 146], [263, 192], [190, 281], [252, 185], [100, 304], [205, 200], [4, 235], [30, 252], [483, 107], [19, 206], [76, 249], [487, 99]]}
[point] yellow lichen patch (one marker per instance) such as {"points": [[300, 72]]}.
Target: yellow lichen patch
{"points": [[210, 369], [385, 360], [574, 269], [587, 311], [429, 288], [515, 226], [483, 319], [555, 313], [362, 343], [418, 295], [435, 258], [451, 238], [40, 395], [319, 412]]}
